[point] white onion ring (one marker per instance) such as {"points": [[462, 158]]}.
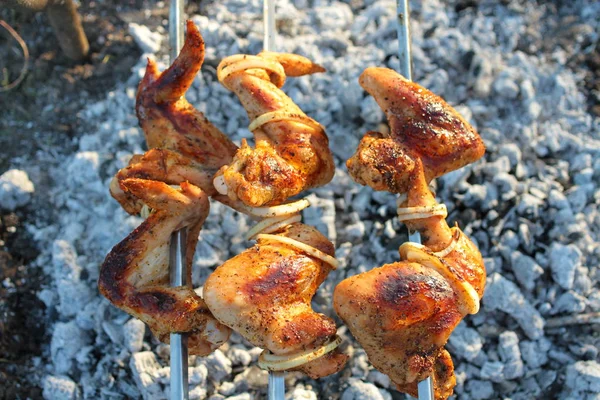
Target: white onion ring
{"points": [[241, 62], [410, 213], [302, 246], [272, 362], [272, 224], [280, 115], [276, 211]]}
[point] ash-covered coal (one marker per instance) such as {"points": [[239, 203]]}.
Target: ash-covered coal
{"points": [[531, 204]]}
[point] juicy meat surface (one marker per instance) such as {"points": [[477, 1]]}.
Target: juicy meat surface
{"points": [[135, 274], [265, 292], [289, 156], [422, 126], [184, 145], [402, 315]]}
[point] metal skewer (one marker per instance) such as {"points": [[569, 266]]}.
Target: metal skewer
{"points": [[276, 389], [177, 264], [425, 387]]}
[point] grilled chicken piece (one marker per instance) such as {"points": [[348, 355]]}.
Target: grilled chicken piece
{"points": [[290, 156], [135, 274], [422, 126], [403, 313], [184, 144], [265, 292]]}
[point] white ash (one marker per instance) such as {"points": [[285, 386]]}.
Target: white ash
{"points": [[583, 380], [133, 335], [15, 189], [148, 41], [60, 387], [530, 204]]}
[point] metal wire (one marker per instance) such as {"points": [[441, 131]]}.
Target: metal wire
{"points": [[270, 33], [404, 43], [276, 386], [176, 28], [276, 389], [425, 387], [178, 341], [177, 272]]}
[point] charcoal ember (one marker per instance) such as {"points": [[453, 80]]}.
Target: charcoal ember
{"points": [[564, 260], [148, 41], [465, 342], [218, 365], [582, 380], [359, 390], [144, 367], [502, 294], [67, 340], [133, 335], [526, 270], [479, 389], [60, 387], [510, 354], [15, 189]]}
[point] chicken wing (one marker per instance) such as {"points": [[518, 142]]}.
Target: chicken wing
{"points": [[292, 151], [265, 292], [403, 313], [184, 144], [422, 126], [135, 274]]}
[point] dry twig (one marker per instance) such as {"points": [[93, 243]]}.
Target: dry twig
{"points": [[23, 45], [580, 319]]}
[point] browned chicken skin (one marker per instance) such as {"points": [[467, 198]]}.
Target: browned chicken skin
{"points": [[265, 292], [422, 126], [290, 156], [187, 150], [403, 313], [135, 274], [184, 145]]}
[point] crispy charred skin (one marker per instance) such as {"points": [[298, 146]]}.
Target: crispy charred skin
{"points": [[265, 292], [444, 379], [135, 274], [184, 145], [422, 126], [289, 156], [403, 313]]}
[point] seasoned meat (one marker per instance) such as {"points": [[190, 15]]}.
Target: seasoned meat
{"points": [[135, 274], [292, 151], [422, 126], [265, 292], [403, 313]]}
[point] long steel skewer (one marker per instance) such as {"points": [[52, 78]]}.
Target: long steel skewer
{"points": [[177, 259], [276, 389], [425, 387]]}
